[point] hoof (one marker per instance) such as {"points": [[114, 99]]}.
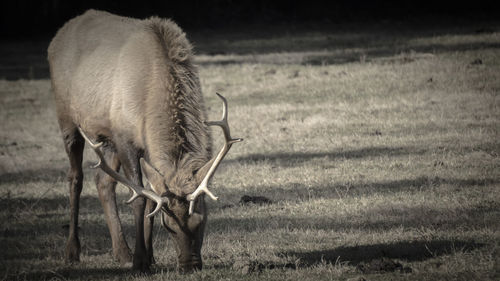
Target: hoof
{"points": [[124, 257], [141, 265], [72, 252], [152, 260]]}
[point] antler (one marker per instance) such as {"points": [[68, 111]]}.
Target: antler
{"points": [[203, 187], [136, 189]]}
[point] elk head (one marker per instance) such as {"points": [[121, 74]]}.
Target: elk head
{"points": [[178, 197]]}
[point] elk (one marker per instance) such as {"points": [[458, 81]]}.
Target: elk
{"points": [[129, 89]]}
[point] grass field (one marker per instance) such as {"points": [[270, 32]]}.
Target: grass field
{"points": [[379, 146]]}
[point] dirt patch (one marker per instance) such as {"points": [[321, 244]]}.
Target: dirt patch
{"points": [[383, 265], [248, 266], [261, 200]]}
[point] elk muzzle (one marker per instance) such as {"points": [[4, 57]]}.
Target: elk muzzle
{"points": [[188, 237], [188, 263], [189, 254]]}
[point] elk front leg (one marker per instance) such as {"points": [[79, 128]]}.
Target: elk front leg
{"points": [[74, 145], [106, 187], [148, 230], [129, 158]]}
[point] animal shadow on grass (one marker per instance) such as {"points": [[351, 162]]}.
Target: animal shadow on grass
{"points": [[293, 159], [47, 175], [44, 175], [77, 273], [361, 256], [112, 273], [46, 219]]}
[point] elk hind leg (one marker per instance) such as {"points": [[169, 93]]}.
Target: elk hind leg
{"points": [[107, 195]]}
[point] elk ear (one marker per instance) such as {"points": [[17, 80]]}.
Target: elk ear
{"points": [[154, 177]]}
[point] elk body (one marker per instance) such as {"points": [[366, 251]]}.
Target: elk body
{"points": [[130, 89]]}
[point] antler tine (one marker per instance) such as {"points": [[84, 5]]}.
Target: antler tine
{"points": [[203, 187], [223, 123], [137, 190]]}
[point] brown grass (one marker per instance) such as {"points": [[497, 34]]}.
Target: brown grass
{"points": [[378, 145]]}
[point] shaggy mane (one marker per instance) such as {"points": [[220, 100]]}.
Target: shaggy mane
{"points": [[185, 140], [172, 39]]}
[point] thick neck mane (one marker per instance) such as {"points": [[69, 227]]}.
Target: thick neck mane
{"points": [[175, 134]]}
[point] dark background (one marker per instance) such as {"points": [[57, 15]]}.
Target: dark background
{"points": [[27, 26], [42, 18]]}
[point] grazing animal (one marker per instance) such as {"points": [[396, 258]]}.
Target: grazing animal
{"points": [[130, 89]]}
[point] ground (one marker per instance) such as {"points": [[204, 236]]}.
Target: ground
{"points": [[377, 144]]}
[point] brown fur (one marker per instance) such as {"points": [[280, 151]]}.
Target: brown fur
{"points": [[133, 84], [161, 108]]}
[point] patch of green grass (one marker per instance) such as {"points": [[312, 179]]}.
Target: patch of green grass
{"points": [[379, 147]]}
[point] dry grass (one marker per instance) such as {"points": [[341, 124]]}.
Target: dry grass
{"points": [[379, 148]]}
